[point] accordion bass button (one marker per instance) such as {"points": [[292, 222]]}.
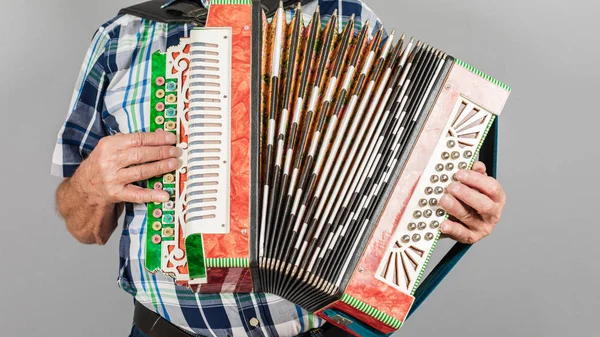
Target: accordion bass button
{"points": [[416, 238], [423, 202], [428, 190], [428, 213], [429, 236], [445, 155], [422, 225], [451, 144], [434, 179], [412, 226], [439, 167], [406, 238], [433, 202], [434, 225], [462, 166], [455, 155], [417, 214], [440, 212], [468, 154], [444, 178], [439, 190], [449, 167]]}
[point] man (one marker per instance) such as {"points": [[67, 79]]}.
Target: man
{"points": [[104, 151]]}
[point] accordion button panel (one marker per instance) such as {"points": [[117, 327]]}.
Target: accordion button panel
{"points": [[407, 255], [208, 153]]}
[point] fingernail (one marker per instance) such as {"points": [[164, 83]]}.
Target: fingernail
{"points": [[452, 188], [163, 197], [446, 201], [171, 138], [461, 175]]}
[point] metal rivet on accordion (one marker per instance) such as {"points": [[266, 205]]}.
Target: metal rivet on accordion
{"points": [[433, 202], [429, 236], [412, 226], [422, 225], [168, 218], [417, 214], [444, 178], [160, 106], [157, 213], [454, 177], [455, 155], [434, 179], [448, 86], [451, 143], [169, 205], [449, 167], [171, 99], [416, 237], [183, 170], [160, 93], [462, 166], [406, 238], [439, 167], [428, 190], [160, 81], [156, 239], [171, 86], [428, 213], [361, 269], [183, 145], [434, 225], [244, 232], [157, 226], [169, 178], [439, 190], [468, 154], [170, 125], [423, 202], [445, 155], [168, 232], [246, 27], [440, 212], [158, 186]]}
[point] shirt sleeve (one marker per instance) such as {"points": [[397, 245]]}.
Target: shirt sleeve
{"points": [[84, 126]]}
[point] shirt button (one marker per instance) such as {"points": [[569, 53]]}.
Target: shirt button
{"points": [[254, 322]]}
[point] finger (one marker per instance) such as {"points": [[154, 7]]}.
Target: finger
{"points": [[146, 154], [458, 232], [484, 184], [479, 202], [479, 167], [147, 171], [140, 139], [139, 195], [457, 209]]}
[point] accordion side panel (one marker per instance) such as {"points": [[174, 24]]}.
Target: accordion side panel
{"points": [[231, 249], [371, 289]]}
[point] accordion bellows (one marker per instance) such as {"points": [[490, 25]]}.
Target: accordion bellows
{"points": [[314, 159]]}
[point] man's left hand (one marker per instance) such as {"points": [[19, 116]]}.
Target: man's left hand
{"points": [[475, 203]]}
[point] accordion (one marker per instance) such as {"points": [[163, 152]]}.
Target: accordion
{"points": [[314, 158]]}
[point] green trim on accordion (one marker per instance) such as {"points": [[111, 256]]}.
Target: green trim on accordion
{"points": [[228, 263], [481, 74], [437, 238], [369, 310], [231, 2]]}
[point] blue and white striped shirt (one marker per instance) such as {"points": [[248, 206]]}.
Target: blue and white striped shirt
{"points": [[112, 95]]}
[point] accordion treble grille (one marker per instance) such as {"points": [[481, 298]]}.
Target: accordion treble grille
{"points": [[209, 132]]}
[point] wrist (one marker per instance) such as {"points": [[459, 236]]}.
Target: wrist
{"points": [[89, 193]]}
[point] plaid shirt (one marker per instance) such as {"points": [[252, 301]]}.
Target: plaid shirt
{"points": [[112, 95]]}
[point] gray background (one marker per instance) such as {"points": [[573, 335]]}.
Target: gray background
{"points": [[533, 277]]}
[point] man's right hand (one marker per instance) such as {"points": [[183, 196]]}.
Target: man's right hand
{"points": [[92, 200], [119, 161]]}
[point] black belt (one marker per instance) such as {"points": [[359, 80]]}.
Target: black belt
{"points": [[153, 325]]}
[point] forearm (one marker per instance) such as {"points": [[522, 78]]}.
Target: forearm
{"points": [[88, 219]]}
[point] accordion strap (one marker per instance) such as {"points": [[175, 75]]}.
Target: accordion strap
{"points": [[188, 11], [488, 155]]}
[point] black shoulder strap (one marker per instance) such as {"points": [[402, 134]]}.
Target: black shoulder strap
{"points": [[183, 11]]}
